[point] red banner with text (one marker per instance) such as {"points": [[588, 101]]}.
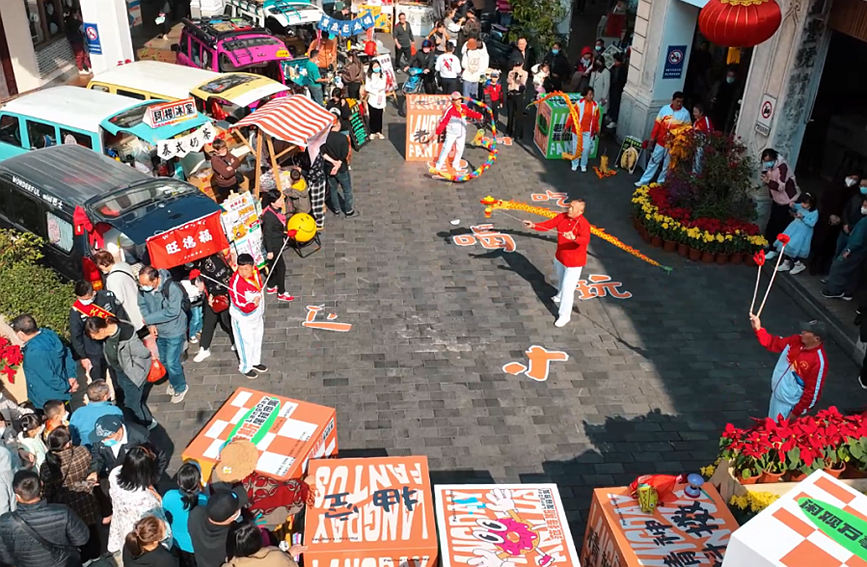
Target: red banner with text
{"points": [[188, 242]]}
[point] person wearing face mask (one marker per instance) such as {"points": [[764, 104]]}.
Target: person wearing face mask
{"points": [[599, 47], [374, 89], [559, 66], [783, 189], [91, 303], [832, 202], [851, 213], [847, 266], [273, 221], [247, 312], [600, 82], [110, 440], [49, 369], [724, 100]]}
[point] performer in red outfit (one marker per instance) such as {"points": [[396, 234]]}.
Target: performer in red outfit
{"points": [[454, 124], [799, 375], [247, 312], [573, 236], [588, 114]]}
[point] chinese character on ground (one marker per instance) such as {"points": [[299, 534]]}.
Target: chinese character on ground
{"points": [[487, 237], [539, 363], [548, 195], [600, 285], [311, 322]]}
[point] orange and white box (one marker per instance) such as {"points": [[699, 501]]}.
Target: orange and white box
{"points": [[495, 525], [787, 533], [372, 512]]}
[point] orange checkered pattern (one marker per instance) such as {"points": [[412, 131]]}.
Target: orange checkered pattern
{"points": [[783, 534]]}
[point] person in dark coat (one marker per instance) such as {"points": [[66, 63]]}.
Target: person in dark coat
{"points": [[832, 203], [91, 303], [110, 440], [274, 235], [213, 280], [39, 534], [559, 66]]}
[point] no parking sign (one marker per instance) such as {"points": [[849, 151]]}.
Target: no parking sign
{"points": [[91, 37], [675, 56]]}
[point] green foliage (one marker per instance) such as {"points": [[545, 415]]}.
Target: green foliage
{"points": [[29, 287], [536, 20]]}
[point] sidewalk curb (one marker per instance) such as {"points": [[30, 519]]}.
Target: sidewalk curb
{"points": [[843, 334]]}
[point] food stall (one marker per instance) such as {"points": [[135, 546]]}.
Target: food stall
{"points": [[381, 10], [517, 524], [375, 510], [286, 433]]}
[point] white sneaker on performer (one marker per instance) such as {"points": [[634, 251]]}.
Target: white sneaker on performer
{"points": [[798, 268], [785, 266], [583, 169], [556, 299], [201, 355], [574, 167], [771, 255], [561, 322]]}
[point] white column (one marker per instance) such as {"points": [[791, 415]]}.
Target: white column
{"points": [[106, 25], [658, 25]]}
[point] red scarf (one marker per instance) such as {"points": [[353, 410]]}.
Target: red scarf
{"points": [[92, 310]]}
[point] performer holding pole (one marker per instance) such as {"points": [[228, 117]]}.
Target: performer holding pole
{"points": [[573, 236], [247, 312], [454, 124]]}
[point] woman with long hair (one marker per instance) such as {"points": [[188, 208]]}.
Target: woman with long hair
{"points": [[133, 496], [274, 235], [374, 89], [353, 75], [142, 546], [246, 549], [66, 480], [179, 502]]}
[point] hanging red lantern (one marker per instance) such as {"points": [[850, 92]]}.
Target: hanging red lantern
{"points": [[739, 23]]}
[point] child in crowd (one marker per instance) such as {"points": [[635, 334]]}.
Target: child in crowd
{"points": [[195, 295], [297, 195], [177, 504], [55, 415], [493, 93], [540, 75], [800, 233], [31, 448]]}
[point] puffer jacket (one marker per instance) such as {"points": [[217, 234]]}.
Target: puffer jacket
{"points": [[56, 523]]}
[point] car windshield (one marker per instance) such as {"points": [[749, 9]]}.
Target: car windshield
{"points": [[248, 42], [131, 117], [130, 198], [225, 83]]}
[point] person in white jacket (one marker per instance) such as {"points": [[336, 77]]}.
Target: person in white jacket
{"points": [[375, 89], [600, 82], [475, 61]]}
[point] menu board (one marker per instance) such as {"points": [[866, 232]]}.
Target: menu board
{"points": [[359, 133], [241, 224]]}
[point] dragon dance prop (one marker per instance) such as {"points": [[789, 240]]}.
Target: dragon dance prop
{"points": [[490, 145], [491, 204], [576, 120]]}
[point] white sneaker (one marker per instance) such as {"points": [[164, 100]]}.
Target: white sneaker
{"points": [[583, 169], [194, 340], [561, 322], [202, 355], [556, 299], [771, 255], [574, 168], [798, 268], [638, 183], [785, 266], [170, 390], [178, 398]]}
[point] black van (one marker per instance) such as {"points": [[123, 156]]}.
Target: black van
{"points": [[40, 190]]}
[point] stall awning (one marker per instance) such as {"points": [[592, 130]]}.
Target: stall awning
{"points": [[294, 119]]}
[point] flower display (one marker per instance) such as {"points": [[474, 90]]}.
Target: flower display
{"points": [[653, 206], [10, 359], [754, 501]]}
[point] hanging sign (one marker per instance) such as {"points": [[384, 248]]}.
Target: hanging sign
{"points": [[359, 133], [188, 242], [766, 114], [346, 28], [674, 62], [91, 36], [167, 113], [182, 145]]}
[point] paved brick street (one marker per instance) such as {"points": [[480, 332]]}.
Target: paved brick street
{"points": [[650, 382]]}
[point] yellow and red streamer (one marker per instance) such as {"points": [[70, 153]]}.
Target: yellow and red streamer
{"points": [[492, 204], [576, 120]]}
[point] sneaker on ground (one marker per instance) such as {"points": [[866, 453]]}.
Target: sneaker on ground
{"points": [[202, 355], [170, 390], [152, 425], [555, 299], [830, 295], [798, 268], [785, 266], [251, 374], [561, 322], [260, 368], [285, 297], [178, 398], [770, 255], [194, 340], [638, 183], [350, 213], [583, 169], [574, 168], [271, 290], [847, 297], [861, 382]]}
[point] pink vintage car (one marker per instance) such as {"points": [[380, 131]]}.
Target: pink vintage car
{"points": [[226, 44]]}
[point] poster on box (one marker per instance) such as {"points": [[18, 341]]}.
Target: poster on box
{"points": [[519, 525], [240, 220], [423, 114], [375, 511]]}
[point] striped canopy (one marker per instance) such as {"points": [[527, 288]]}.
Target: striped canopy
{"points": [[295, 119]]}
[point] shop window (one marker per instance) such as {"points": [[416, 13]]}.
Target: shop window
{"points": [[10, 130], [59, 232], [71, 137], [46, 19], [41, 135]]}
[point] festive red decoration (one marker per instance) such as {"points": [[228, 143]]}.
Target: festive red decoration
{"points": [[663, 484], [739, 23], [783, 238], [10, 359], [759, 258]]}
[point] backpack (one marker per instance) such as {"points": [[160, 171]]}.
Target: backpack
{"points": [[186, 304]]}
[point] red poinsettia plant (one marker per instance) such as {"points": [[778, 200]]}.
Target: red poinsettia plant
{"points": [[10, 359], [802, 444], [663, 199]]}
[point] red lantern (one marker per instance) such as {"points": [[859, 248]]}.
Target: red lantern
{"points": [[739, 23]]}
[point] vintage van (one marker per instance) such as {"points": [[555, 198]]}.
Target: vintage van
{"points": [[229, 45], [222, 96], [289, 18], [40, 190], [106, 123]]}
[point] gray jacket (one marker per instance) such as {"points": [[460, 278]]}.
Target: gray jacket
{"points": [[132, 356], [167, 314]]}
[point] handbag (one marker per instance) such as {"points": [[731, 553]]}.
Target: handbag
{"points": [[157, 371], [220, 303]]}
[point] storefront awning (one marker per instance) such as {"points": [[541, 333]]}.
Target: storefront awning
{"points": [[294, 119]]}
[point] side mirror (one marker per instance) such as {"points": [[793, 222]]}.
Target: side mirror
{"points": [[175, 47]]}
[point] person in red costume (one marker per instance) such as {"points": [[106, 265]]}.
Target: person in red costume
{"points": [[573, 236], [247, 312], [588, 116], [454, 124], [798, 377]]}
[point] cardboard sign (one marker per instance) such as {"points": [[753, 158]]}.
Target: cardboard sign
{"points": [[240, 220], [821, 521], [630, 162], [167, 113], [423, 114], [371, 512], [188, 242], [359, 133], [387, 72], [680, 531], [548, 135], [522, 525], [287, 433]]}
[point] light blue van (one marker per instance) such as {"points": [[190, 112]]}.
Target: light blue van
{"points": [[106, 123]]}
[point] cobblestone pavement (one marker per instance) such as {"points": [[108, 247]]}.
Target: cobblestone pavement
{"points": [[650, 382]]}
